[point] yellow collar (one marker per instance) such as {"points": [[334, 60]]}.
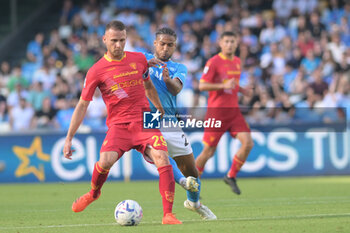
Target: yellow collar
{"points": [[110, 59], [224, 57]]}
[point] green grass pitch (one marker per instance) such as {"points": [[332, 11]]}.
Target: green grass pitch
{"points": [[315, 204]]}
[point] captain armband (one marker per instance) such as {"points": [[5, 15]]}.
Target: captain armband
{"points": [[145, 75]]}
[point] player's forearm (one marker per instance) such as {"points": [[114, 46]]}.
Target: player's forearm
{"points": [[152, 94], [243, 91], [77, 119], [154, 98], [174, 86], [203, 86]]}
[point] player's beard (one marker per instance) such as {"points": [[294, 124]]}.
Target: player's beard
{"points": [[163, 57], [118, 53]]}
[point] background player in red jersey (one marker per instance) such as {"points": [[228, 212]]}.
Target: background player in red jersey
{"points": [[123, 80], [221, 78]]}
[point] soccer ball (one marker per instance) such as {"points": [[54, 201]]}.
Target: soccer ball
{"points": [[128, 213]]}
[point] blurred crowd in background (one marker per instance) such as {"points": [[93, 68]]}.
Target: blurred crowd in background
{"points": [[295, 55]]}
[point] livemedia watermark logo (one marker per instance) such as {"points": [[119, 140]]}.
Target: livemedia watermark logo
{"points": [[153, 120]]}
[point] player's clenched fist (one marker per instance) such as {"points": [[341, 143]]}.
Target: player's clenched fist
{"points": [[165, 73], [67, 149]]}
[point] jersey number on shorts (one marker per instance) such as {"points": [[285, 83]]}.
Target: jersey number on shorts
{"points": [[156, 142], [186, 142]]}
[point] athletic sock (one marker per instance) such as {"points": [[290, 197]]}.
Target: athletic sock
{"points": [[166, 187], [99, 176], [235, 167], [178, 176], [194, 196], [200, 170]]}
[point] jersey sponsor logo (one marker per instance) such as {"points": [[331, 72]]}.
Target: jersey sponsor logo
{"points": [[128, 73], [206, 69], [125, 84], [233, 72], [133, 65], [113, 68]]}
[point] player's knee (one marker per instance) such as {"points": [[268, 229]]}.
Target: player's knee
{"points": [[248, 144], [105, 164], [107, 160], [160, 158]]}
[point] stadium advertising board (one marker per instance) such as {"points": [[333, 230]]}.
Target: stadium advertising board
{"points": [[277, 152]]}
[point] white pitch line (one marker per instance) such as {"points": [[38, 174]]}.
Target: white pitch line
{"points": [[294, 217], [191, 220], [234, 204], [238, 202]]}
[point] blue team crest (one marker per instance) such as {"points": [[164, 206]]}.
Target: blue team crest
{"points": [[151, 120]]}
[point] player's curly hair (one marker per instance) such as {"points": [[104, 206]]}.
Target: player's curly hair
{"points": [[166, 31], [116, 25]]}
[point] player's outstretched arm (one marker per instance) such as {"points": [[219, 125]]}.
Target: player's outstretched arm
{"points": [[152, 95], [77, 118]]}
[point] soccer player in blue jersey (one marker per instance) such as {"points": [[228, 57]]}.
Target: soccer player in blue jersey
{"points": [[168, 80]]}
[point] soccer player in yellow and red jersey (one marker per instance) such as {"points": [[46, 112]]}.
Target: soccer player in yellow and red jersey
{"points": [[221, 79], [123, 80]]}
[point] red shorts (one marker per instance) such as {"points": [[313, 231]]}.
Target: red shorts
{"points": [[235, 125], [124, 137]]}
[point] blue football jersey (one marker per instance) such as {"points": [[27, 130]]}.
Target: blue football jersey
{"points": [[176, 70]]}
